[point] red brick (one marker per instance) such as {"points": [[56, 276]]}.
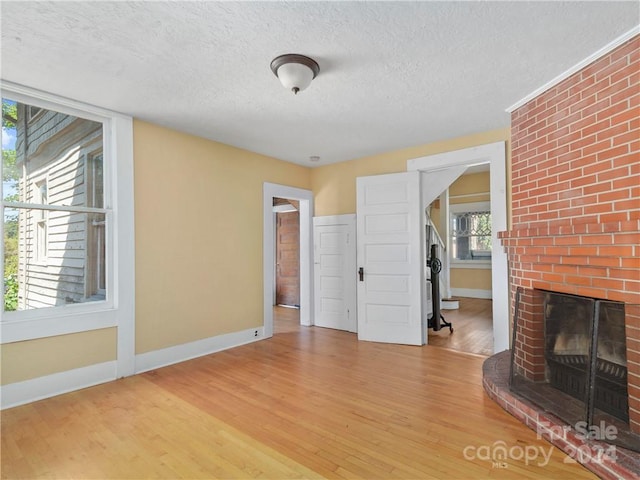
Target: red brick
{"points": [[615, 131], [616, 217], [625, 181], [597, 167], [579, 280], [585, 123], [625, 95], [614, 195], [625, 274], [611, 90], [626, 116], [598, 208], [583, 250], [633, 160], [597, 188], [597, 147], [613, 152], [633, 204], [627, 238], [595, 67], [612, 68], [615, 250]]}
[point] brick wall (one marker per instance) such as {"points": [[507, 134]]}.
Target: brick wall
{"points": [[576, 196]]}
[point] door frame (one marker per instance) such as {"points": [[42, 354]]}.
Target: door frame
{"points": [[305, 197], [495, 155]]}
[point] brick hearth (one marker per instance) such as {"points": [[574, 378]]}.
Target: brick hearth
{"points": [[609, 464]]}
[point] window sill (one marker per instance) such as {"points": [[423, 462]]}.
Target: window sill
{"points": [[471, 264], [50, 322]]}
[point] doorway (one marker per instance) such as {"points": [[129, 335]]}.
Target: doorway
{"points": [[305, 209], [287, 266], [495, 155], [461, 218]]}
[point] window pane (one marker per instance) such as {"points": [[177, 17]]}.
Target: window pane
{"points": [[63, 151], [10, 270], [471, 236], [53, 258]]}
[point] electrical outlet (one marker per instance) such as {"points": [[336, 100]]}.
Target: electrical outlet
{"points": [[256, 333]]}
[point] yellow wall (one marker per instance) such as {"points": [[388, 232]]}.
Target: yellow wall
{"points": [[199, 235], [44, 356], [469, 185], [475, 279], [334, 186]]}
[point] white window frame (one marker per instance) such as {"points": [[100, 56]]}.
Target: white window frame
{"points": [[118, 310], [462, 208], [94, 270], [41, 223]]}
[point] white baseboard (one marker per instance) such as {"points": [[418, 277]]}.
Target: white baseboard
{"points": [[471, 293], [19, 393], [187, 351]]}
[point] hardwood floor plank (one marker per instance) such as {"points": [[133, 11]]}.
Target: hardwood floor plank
{"points": [[472, 328], [308, 403]]}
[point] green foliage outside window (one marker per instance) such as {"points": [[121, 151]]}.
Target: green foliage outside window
{"points": [[10, 178]]}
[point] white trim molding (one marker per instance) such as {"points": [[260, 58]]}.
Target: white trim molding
{"points": [[187, 351], [27, 391], [577, 67]]}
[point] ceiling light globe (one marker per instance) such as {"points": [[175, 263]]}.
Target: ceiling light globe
{"points": [[295, 76], [294, 71]]}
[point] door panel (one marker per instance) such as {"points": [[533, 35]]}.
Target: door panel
{"points": [[288, 259], [335, 272], [390, 251]]}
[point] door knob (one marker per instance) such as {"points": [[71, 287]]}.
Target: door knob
{"points": [[361, 274]]}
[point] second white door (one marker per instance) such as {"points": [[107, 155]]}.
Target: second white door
{"points": [[334, 258]]}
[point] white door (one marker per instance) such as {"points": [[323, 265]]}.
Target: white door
{"points": [[334, 258], [390, 254]]}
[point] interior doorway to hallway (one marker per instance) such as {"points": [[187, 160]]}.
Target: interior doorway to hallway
{"points": [[287, 257], [305, 209]]}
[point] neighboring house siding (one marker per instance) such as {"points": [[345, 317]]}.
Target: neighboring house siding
{"points": [[54, 260]]}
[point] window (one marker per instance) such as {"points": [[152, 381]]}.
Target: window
{"points": [[471, 233], [32, 112], [53, 208], [88, 281]]}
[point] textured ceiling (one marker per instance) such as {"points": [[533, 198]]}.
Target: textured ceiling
{"points": [[392, 74]]}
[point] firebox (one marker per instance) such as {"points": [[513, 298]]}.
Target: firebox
{"points": [[583, 347], [585, 351]]}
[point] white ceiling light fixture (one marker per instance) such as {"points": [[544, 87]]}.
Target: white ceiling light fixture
{"points": [[294, 71]]}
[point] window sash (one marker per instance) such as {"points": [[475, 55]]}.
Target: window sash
{"points": [[105, 280], [467, 231]]}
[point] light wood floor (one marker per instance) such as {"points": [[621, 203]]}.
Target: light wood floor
{"points": [[472, 328], [308, 403]]}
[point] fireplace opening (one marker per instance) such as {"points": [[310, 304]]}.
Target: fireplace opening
{"points": [[570, 325], [569, 357]]}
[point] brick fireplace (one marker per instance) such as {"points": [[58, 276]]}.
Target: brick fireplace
{"points": [[576, 204]]}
